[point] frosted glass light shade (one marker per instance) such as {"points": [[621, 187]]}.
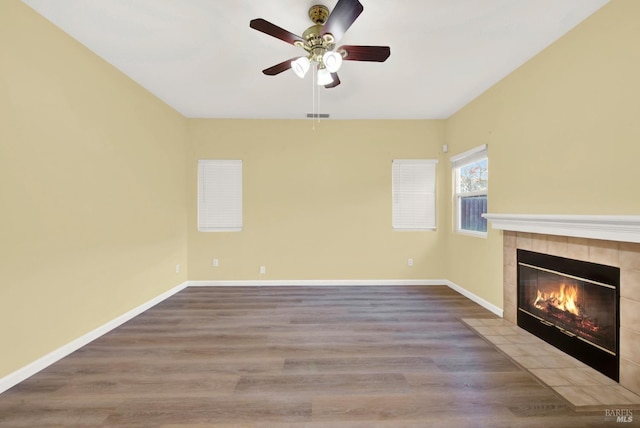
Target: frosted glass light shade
{"points": [[324, 77], [332, 61], [300, 66]]}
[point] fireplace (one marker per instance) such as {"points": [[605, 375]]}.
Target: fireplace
{"points": [[573, 305]]}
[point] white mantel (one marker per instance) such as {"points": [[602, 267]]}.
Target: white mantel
{"points": [[607, 227]]}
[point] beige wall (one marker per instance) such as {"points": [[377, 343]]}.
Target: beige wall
{"points": [[317, 203], [92, 178], [563, 134]]}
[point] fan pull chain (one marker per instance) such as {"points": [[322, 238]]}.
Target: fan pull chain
{"points": [[318, 103], [313, 99]]}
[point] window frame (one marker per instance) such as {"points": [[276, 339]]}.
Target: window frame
{"points": [[458, 162], [399, 221]]}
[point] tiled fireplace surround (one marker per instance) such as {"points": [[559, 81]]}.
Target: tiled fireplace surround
{"points": [[625, 255]]}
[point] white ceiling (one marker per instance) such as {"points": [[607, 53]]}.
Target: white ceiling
{"points": [[201, 57]]}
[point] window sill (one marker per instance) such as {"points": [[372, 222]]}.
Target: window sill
{"points": [[472, 233], [430, 229]]}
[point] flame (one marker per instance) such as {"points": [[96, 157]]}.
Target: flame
{"points": [[564, 299]]}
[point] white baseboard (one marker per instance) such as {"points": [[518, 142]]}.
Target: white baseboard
{"points": [[29, 370], [316, 282], [475, 298]]}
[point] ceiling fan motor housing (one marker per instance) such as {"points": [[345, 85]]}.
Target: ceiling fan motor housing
{"points": [[317, 44]]}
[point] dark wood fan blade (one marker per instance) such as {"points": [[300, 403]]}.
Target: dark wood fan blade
{"points": [[279, 68], [365, 53], [275, 31], [336, 81], [341, 18]]}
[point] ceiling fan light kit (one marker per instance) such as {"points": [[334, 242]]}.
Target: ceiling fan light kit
{"points": [[319, 42]]}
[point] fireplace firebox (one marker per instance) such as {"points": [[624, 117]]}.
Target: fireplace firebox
{"points": [[573, 305]]}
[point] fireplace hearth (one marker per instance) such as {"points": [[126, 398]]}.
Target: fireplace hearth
{"points": [[573, 305]]}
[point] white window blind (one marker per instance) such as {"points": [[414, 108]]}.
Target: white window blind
{"points": [[414, 194], [219, 195]]}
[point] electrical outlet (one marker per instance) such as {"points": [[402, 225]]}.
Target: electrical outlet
{"points": [[215, 263], [263, 270], [177, 268], [410, 262]]}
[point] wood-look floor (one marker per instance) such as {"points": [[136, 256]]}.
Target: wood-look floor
{"points": [[293, 356]]}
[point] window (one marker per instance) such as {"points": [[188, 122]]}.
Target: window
{"points": [[414, 194], [471, 175], [219, 195]]}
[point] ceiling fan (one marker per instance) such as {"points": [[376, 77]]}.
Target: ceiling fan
{"points": [[319, 41]]}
